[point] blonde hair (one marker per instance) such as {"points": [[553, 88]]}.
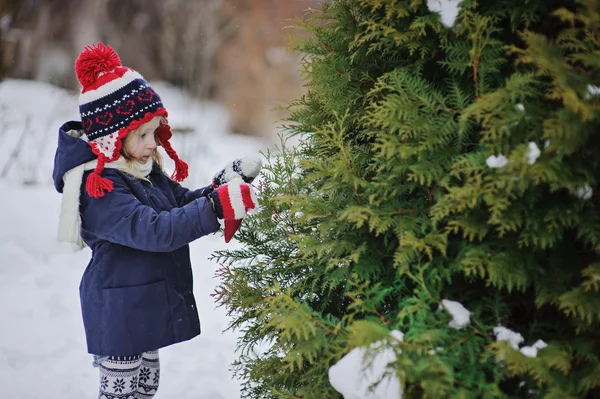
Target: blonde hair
{"points": [[156, 156]]}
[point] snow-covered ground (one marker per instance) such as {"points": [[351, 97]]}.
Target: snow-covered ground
{"points": [[42, 343]]}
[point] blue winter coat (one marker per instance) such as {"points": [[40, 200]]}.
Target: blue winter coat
{"points": [[136, 292]]}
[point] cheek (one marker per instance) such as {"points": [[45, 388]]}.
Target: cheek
{"points": [[132, 147], [149, 141]]}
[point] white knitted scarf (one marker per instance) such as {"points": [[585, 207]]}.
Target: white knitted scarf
{"points": [[69, 223]]}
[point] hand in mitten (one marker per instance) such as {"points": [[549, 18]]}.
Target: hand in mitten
{"points": [[245, 168], [231, 202]]}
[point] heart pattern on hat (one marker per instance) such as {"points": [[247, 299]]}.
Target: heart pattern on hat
{"points": [[105, 118], [87, 124], [146, 96], [126, 108]]}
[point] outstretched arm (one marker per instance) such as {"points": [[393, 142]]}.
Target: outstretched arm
{"points": [[246, 169], [184, 196], [119, 217]]}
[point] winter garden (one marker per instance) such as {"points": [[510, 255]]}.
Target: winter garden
{"points": [[427, 224]]}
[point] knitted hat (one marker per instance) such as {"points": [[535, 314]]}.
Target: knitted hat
{"points": [[115, 100]]}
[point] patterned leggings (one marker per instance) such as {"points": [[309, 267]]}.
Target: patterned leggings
{"points": [[129, 377]]}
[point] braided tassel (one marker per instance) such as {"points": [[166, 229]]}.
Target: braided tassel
{"points": [[181, 171], [181, 168], [96, 184]]}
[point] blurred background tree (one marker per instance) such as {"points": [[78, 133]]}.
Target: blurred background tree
{"points": [[229, 51]]}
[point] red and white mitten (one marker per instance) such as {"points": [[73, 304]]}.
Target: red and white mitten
{"points": [[245, 168], [231, 202]]}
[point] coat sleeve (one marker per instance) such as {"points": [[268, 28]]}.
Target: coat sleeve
{"points": [[184, 196], [119, 217]]}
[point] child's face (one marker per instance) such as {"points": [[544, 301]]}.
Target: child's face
{"points": [[140, 144]]}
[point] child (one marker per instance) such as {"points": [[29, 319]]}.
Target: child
{"points": [[136, 292]]}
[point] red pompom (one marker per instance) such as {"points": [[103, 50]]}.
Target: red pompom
{"points": [[94, 60]]}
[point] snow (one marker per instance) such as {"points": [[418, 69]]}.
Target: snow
{"points": [[496, 162], [504, 334], [531, 351], [500, 161], [448, 10], [42, 343], [533, 153], [397, 335], [434, 351], [593, 90], [584, 192], [520, 107], [355, 373], [460, 315], [514, 339]]}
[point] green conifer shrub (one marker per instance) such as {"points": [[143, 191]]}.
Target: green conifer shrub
{"points": [[432, 163]]}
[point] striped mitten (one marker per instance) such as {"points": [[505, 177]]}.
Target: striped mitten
{"points": [[245, 168], [231, 202]]}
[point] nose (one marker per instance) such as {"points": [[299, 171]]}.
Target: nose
{"points": [[152, 145]]}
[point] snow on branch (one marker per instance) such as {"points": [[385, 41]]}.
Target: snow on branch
{"points": [[360, 376], [460, 315], [496, 162], [584, 192], [448, 10], [533, 153], [514, 339]]}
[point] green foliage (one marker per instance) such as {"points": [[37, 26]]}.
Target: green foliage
{"points": [[386, 205]]}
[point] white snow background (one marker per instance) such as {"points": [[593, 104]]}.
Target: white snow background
{"points": [[42, 342]]}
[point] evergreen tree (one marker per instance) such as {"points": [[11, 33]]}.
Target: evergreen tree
{"points": [[433, 163]]}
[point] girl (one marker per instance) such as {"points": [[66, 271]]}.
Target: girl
{"points": [[136, 292]]}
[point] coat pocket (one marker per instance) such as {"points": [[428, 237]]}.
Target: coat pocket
{"points": [[135, 319]]}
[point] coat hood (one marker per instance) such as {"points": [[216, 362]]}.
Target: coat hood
{"points": [[70, 152]]}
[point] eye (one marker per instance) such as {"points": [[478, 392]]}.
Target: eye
{"points": [[143, 135]]}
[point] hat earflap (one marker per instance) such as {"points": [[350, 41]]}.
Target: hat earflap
{"points": [[181, 168]]}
